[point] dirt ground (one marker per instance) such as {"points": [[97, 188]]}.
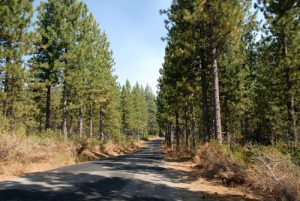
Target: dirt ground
{"points": [[211, 187]]}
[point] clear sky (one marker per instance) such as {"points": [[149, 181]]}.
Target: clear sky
{"points": [[134, 29]]}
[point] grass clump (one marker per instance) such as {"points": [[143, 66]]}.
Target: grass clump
{"points": [[20, 153], [264, 169]]}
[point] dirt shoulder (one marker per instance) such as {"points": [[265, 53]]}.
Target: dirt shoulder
{"points": [[208, 186]]}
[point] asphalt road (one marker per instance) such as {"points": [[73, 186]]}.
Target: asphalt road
{"points": [[138, 176]]}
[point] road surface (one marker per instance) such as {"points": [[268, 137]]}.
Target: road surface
{"points": [[138, 176]]}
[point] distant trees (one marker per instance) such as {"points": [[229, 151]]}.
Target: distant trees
{"points": [[138, 108], [219, 82], [67, 84]]}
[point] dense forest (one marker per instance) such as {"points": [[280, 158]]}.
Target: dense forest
{"points": [[227, 105], [230, 76], [57, 74]]}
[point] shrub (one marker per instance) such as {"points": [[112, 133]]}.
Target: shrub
{"points": [[219, 161], [18, 151], [263, 169]]}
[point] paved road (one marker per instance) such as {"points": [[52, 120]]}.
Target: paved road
{"points": [[138, 176]]}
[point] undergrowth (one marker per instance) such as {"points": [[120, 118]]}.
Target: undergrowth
{"points": [[23, 152], [264, 169]]}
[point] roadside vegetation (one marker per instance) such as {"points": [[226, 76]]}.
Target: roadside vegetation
{"points": [[228, 99], [229, 92], [60, 101], [22, 153]]}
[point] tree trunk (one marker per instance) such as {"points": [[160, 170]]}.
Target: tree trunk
{"points": [[289, 95], [226, 134], [56, 127], [171, 130], [205, 109], [71, 125], [7, 89], [177, 132], [80, 122], [64, 115], [91, 122], [101, 128], [167, 137], [245, 129], [5, 100], [48, 107], [193, 128], [186, 130], [40, 121], [217, 107]]}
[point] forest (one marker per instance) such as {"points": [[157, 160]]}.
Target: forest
{"points": [[60, 100], [57, 73], [229, 77], [229, 91], [228, 98]]}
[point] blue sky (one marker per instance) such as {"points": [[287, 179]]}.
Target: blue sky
{"points": [[134, 29]]}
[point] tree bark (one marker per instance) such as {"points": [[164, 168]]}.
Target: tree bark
{"points": [[80, 122], [48, 107], [171, 130], [71, 124], [40, 121], [167, 137], [64, 115], [193, 128], [6, 102], [217, 107], [177, 131], [204, 98], [101, 128], [289, 95], [91, 122], [186, 129]]}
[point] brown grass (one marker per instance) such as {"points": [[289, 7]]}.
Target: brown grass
{"points": [[23, 154], [20, 154], [181, 155], [90, 149], [262, 169]]}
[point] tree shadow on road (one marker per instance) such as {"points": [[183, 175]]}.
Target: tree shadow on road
{"points": [[66, 186], [118, 178]]}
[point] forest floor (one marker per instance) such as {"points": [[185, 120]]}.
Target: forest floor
{"points": [[212, 187]]}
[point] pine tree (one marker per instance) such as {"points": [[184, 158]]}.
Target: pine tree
{"points": [[151, 111], [283, 19], [127, 109], [14, 45], [140, 118]]}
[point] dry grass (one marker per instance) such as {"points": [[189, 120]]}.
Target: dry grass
{"points": [[21, 154], [91, 149], [262, 169], [182, 155], [274, 174]]}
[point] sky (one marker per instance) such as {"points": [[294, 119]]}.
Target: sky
{"points": [[134, 29]]}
